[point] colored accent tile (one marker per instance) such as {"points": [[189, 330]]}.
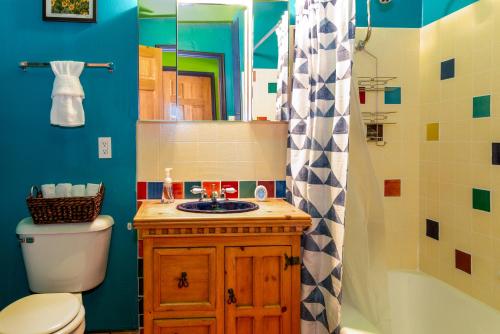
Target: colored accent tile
{"points": [[269, 186], [154, 190], [481, 106], [280, 189], [432, 132], [272, 87], [362, 95], [481, 199], [142, 190], [139, 203], [392, 188], [230, 184], [178, 190], [463, 261], [495, 153], [432, 229], [247, 189], [392, 95], [139, 249], [448, 69], [187, 189], [210, 186]]}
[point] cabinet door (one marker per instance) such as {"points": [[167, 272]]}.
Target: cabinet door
{"points": [[184, 326], [184, 279], [262, 290]]}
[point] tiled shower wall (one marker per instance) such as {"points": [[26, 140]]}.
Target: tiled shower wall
{"points": [[460, 126], [396, 163]]}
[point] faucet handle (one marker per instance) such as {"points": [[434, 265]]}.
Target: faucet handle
{"points": [[229, 190], [197, 190]]}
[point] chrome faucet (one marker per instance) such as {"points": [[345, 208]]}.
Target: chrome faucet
{"points": [[214, 195], [228, 190], [197, 190]]}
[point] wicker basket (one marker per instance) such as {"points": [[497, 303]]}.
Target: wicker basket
{"points": [[66, 209]]}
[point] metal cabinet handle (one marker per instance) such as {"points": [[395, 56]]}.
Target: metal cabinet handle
{"points": [[183, 281], [231, 299]]}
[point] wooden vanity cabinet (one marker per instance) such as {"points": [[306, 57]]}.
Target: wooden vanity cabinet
{"points": [[222, 276]]}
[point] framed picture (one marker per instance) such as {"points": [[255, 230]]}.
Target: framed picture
{"points": [[70, 10]]}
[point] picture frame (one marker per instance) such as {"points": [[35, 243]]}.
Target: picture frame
{"points": [[70, 10]]}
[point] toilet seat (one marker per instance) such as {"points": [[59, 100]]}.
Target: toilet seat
{"points": [[47, 313]]}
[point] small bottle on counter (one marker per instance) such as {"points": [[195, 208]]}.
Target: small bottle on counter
{"points": [[167, 195]]}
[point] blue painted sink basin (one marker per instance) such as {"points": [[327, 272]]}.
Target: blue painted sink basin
{"points": [[218, 207]]}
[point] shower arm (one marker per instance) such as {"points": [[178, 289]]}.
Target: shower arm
{"points": [[362, 44]]}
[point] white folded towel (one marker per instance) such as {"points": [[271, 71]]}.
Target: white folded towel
{"points": [[92, 189], [78, 190], [63, 190], [67, 94], [48, 190]]}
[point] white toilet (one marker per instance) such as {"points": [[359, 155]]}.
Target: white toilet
{"points": [[61, 261]]}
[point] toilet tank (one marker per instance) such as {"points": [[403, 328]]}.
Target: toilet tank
{"points": [[65, 257]]}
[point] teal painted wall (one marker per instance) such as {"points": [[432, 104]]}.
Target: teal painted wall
{"points": [[34, 152], [433, 10], [397, 14], [266, 15], [157, 31]]}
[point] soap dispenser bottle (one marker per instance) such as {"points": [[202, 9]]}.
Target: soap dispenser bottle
{"points": [[167, 195]]}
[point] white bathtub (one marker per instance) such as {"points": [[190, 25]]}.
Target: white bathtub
{"points": [[421, 304]]}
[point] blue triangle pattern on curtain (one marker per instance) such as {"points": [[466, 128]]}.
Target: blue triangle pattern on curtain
{"points": [[318, 143]]}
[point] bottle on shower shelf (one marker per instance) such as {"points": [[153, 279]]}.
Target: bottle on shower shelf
{"points": [[167, 194]]}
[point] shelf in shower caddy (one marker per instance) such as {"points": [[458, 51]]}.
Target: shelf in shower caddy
{"points": [[374, 84]]}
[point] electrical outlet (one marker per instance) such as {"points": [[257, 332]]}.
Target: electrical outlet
{"points": [[104, 147]]}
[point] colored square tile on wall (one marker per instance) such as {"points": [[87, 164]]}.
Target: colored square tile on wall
{"points": [[432, 229], [178, 190], [280, 189], [154, 190], [432, 132], [230, 184], [211, 186], [142, 190], [362, 95], [138, 206], [481, 200], [392, 95], [187, 189], [392, 188], [463, 261], [448, 69], [247, 189], [269, 186], [481, 106], [495, 153], [272, 87]]}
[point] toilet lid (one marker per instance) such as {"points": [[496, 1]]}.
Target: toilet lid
{"points": [[42, 313]]}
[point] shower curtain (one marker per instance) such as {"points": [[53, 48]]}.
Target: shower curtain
{"points": [[318, 151], [365, 255], [282, 112]]}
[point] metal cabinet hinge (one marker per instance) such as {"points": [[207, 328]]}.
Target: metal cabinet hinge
{"points": [[291, 261]]}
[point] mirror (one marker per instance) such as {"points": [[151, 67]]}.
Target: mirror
{"points": [[270, 60], [213, 60], [157, 26]]}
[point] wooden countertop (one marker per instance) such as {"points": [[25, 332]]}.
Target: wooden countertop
{"points": [[154, 213]]}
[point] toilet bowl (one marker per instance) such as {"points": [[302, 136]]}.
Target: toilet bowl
{"points": [[46, 313], [61, 261]]}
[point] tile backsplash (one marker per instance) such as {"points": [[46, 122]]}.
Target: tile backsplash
{"points": [[211, 151]]}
